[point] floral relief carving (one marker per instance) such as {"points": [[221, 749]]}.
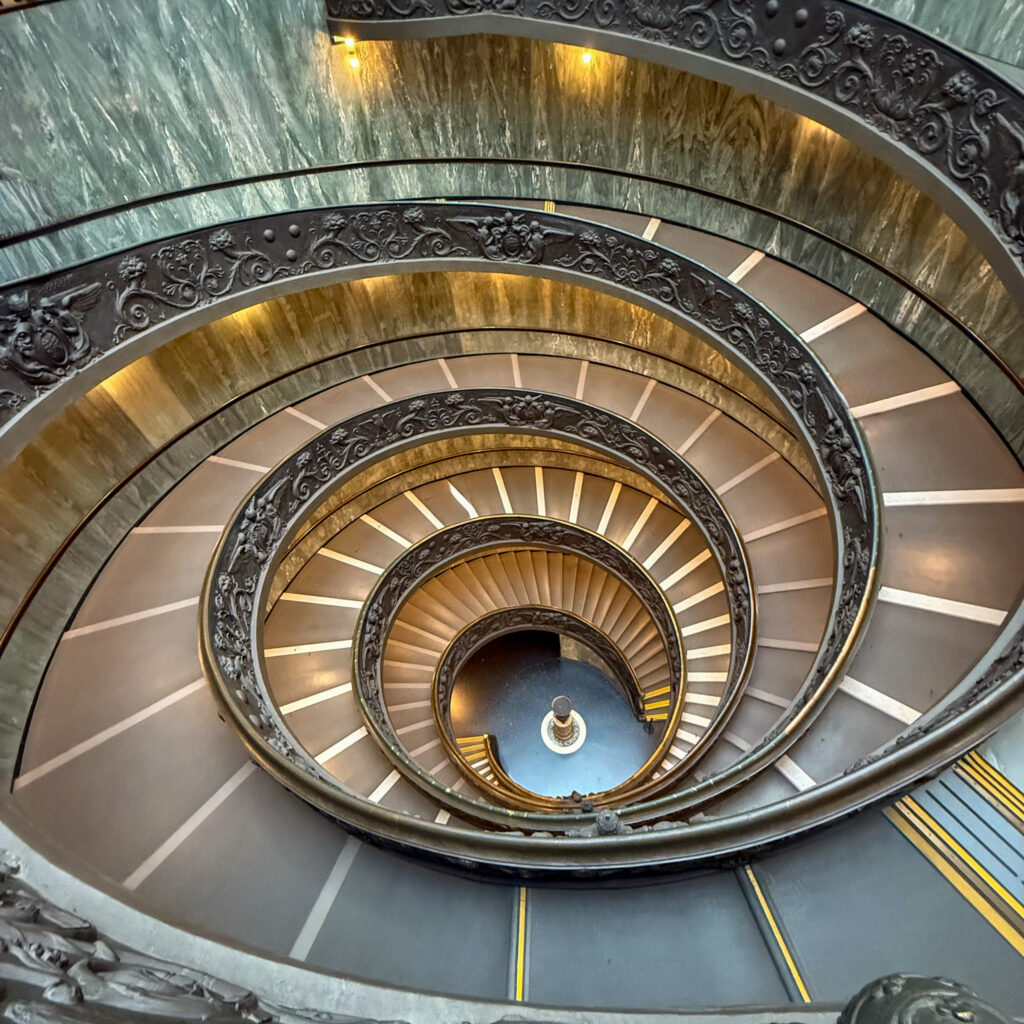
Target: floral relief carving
{"points": [[43, 338], [955, 113], [185, 274], [55, 967], [263, 526], [51, 328], [912, 999]]}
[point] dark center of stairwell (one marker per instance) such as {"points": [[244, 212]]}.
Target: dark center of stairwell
{"points": [[507, 688]]}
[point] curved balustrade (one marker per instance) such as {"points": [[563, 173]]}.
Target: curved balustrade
{"points": [[157, 288], [805, 815], [276, 511], [942, 115], [448, 547], [60, 334]]}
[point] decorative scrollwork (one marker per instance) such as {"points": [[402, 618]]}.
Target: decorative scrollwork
{"points": [[910, 999], [154, 283], [55, 967], [49, 336], [346, 237], [43, 338], [244, 559], [465, 540], [947, 109], [185, 274], [506, 620]]}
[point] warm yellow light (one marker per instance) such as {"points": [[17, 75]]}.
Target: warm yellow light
{"points": [[349, 42], [587, 57], [353, 62]]}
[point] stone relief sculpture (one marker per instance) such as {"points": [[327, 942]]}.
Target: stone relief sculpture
{"points": [[56, 968]]}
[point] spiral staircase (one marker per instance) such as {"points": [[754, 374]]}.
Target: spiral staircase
{"points": [[305, 507]]}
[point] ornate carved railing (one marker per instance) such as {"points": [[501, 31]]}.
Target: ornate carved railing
{"points": [[943, 111], [988, 396], [278, 508], [58, 329], [525, 617], [57, 966], [456, 544], [49, 316], [162, 283]]}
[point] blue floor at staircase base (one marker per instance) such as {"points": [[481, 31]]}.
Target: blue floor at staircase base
{"points": [[507, 688]]}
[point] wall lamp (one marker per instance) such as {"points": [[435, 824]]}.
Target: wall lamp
{"points": [[350, 44]]}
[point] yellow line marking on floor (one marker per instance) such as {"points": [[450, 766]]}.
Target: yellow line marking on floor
{"points": [[999, 785], [521, 946], [918, 837], [949, 842], [988, 790], [783, 948]]}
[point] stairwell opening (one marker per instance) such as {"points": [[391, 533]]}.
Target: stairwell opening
{"points": [[506, 690]]}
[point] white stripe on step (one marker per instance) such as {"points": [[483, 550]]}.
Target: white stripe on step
{"points": [[908, 398], [183, 831], [844, 316]]}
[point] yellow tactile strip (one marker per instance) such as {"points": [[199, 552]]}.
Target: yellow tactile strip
{"points": [[985, 893]]}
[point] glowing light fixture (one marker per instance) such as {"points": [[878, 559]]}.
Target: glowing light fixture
{"points": [[349, 43], [587, 57]]}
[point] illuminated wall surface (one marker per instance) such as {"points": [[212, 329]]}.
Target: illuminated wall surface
{"points": [[131, 798]]}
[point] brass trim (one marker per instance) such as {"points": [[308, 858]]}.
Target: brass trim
{"points": [[508, 788]]}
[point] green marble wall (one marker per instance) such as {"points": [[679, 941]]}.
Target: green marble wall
{"points": [[113, 99], [988, 28]]}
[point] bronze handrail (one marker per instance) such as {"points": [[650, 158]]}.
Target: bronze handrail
{"points": [[455, 544], [705, 193], [276, 511], [356, 236]]}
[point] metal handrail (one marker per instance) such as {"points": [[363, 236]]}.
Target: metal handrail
{"points": [[451, 546], [955, 115], [156, 283], [904, 282], [499, 623], [276, 511]]}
